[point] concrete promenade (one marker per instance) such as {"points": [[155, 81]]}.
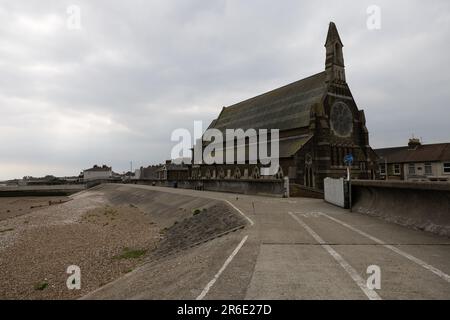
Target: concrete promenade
{"points": [[300, 248]]}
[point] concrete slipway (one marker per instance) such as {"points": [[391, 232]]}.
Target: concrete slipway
{"points": [[272, 248]]}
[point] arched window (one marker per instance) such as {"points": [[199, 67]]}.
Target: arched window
{"points": [[333, 155], [237, 173], [309, 177], [256, 173], [221, 174], [309, 172], [279, 174]]}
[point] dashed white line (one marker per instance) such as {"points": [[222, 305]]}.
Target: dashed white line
{"points": [[227, 262], [238, 210], [423, 264], [371, 294]]}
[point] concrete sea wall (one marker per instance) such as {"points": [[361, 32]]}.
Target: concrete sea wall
{"points": [[420, 205], [254, 187], [30, 191]]}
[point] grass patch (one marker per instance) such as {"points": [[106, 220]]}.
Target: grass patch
{"points": [[40, 286], [109, 211], [198, 211], [131, 253]]}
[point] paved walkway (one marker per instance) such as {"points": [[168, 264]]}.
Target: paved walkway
{"points": [[301, 248]]}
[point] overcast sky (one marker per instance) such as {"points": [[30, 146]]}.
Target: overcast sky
{"points": [[114, 90]]}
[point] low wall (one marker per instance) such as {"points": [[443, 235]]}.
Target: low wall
{"points": [[30, 191], [420, 205], [299, 191], [95, 182], [243, 186]]}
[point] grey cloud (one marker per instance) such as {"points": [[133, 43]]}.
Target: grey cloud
{"points": [[114, 91]]}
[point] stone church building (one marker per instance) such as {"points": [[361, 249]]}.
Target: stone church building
{"points": [[319, 124]]}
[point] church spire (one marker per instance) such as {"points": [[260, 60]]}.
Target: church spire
{"points": [[334, 63]]}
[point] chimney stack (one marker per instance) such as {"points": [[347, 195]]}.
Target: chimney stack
{"points": [[414, 143]]}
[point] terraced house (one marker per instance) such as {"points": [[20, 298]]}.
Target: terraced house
{"points": [[416, 162], [319, 124]]}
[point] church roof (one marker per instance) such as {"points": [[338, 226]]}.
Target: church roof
{"points": [[290, 146], [284, 108]]}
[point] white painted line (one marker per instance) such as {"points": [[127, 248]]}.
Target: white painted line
{"points": [[421, 263], [243, 214], [227, 262], [371, 294]]}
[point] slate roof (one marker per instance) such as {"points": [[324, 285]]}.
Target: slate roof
{"points": [[423, 153], [173, 167], [284, 108], [98, 168], [290, 146]]}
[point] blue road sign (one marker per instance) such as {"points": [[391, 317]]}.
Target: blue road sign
{"points": [[348, 159]]}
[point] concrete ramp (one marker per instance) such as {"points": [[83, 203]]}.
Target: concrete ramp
{"points": [[166, 208], [197, 235]]}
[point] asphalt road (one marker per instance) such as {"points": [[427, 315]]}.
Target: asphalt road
{"points": [[299, 248]]}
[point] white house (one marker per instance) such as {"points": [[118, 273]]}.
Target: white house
{"points": [[97, 172]]}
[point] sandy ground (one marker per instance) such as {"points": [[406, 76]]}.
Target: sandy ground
{"points": [[15, 206], [36, 247]]}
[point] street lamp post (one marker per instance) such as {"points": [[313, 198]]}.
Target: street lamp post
{"points": [[348, 160]]}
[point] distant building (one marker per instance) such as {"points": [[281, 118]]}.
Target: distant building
{"points": [[415, 162], [127, 176], [47, 180], [171, 171], [72, 179], [148, 173], [97, 172], [137, 174]]}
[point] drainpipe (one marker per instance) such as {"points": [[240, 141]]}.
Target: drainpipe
{"points": [[386, 168]]}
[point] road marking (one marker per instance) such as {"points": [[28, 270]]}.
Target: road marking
{"points": [[312, 214], [243, 214], [227, 262], [371, 294], [423, 264]]}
